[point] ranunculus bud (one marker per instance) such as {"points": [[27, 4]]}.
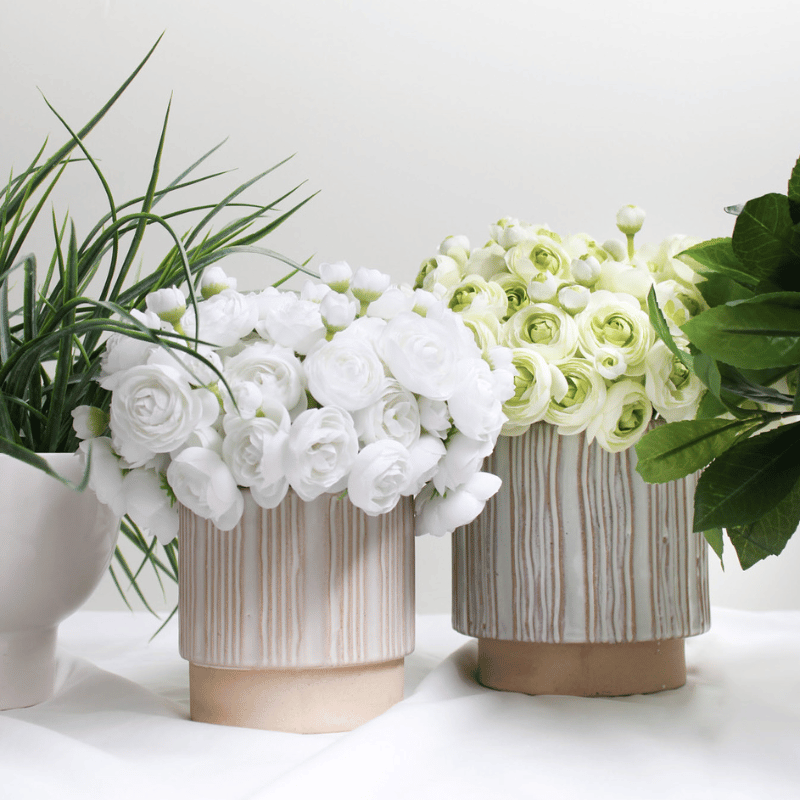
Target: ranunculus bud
{"points": [[168, 303], [338, 311], [89, 421], [369, 284], [630, 219], [214, 281], [337, 275], [573, 297], [585, 271], [543, 287]]}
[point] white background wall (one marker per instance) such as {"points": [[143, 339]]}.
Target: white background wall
{"points": [[423, 118]]}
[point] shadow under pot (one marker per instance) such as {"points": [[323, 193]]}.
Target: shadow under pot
{"points": [[579, 578]]}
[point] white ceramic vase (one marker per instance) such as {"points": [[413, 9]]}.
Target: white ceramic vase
{"points": [[580, 578], [56, 545], [300, 617]]}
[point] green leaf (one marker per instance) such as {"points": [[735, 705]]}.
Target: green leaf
{"points": [[678, 449], [765, 241], [768, 535], [759, 333], [710, 407], [715, 539], [720, 289], [707, 370], [794, 192], [744, 483], [718, 256], [661, 326]]}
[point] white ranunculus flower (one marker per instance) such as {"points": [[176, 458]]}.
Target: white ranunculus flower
{"points": [[345, 372], [585, 271], [679, 302], [337, 310], [244, 399], [624, 417], [425, 354], [323, 444], [457, 247], [89, 422], [379, 477], [394, 301], [538, 255], [289, 321], [670, 265], [168, 304], [674, 390], [154, 409], [544, 327], [434, 416], [476, 295], [625, 278], [337, 276], [486, 329], [394, 415], [585, 396], [224, 318], [148, 505], [532, 391], [105, 475], [439, 269], [123, 352], [616, 249], [369, 284], [616, 319], [630, 219], [313, 291], [255, 451], [462, 460], [610, 362], [543, 287], [214, 281], [425, 454], [204, 484], [573, 297], [439, 515], [203, 437], [195, 371], [486, 261], [474, 407]]}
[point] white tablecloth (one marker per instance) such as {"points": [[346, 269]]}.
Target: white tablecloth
{"points": [[118, 727]]}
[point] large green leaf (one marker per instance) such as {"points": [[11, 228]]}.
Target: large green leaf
{"points": [[765, 241], [759, 333], [669, 452], [719, 289], [718, 256], [716, 542], [769, 534], [748, 480], [794, 193]]}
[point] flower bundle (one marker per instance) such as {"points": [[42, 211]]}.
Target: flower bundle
{"points": [[574, 314], [348, 385]]}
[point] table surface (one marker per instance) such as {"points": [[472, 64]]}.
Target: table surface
{"points": [[118, 727]]}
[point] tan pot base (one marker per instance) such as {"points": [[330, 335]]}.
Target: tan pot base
{"points": [[584, 670], [322, 700]]}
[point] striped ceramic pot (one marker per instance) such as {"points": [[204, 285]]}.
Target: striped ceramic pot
{"points": [[580, 578], [300, 617]]}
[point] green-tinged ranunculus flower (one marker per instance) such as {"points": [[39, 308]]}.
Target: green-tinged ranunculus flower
{"points": [[457, 247], [674, 390], [671, 265], [516, 292], [624, 417], [550, 331], [532, 391], [439, 269], [537, 255], [486, 261], [585, 396], [477, 295], [679, 303], [616, 320]]}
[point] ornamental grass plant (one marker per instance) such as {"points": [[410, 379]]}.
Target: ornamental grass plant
{"points": [[57, 312]]}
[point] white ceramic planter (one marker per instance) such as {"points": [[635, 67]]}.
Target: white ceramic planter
{"points": [[579, 577], [56, 545], [300, 617]]}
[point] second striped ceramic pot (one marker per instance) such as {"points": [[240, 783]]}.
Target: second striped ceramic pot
{"points": [[300, 617], [579, 578]]}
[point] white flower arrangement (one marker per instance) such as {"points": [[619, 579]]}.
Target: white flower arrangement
{"points": [[351, 385], [574, 314]]}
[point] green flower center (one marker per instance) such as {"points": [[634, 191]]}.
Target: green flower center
{"points": [[679, 375], [541, 329], [632, 417], [614, 329]]}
